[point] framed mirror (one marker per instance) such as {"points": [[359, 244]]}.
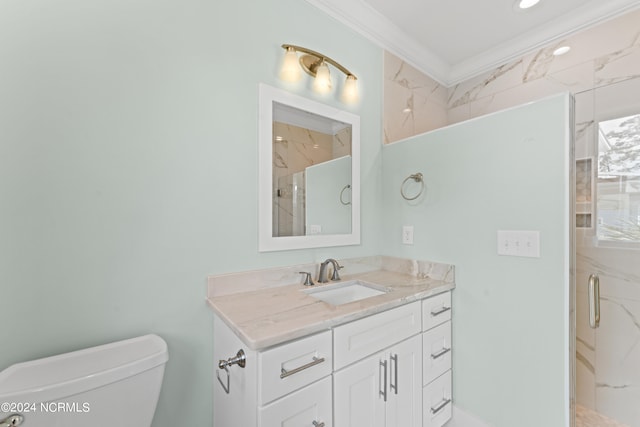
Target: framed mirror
{"points": [[309, 173]]}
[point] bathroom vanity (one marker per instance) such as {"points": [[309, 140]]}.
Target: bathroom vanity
{"points": [[285, 357]]}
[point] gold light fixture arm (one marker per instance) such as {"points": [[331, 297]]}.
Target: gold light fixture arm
{"points": [[313, 59]]}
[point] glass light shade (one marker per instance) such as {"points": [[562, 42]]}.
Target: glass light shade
{"points": [[322, 82], [350, 90], [290, 71]]}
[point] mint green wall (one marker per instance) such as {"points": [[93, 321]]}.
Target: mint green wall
{"points": [[128, 169], [505, 171]]}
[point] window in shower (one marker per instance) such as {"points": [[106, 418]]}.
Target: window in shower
{"points": [[618, 182]]}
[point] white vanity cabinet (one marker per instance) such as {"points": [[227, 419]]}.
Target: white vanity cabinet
{"points": [[390, 369]]}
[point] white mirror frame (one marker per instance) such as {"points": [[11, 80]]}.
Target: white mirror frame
{"points": [[266, 241]]}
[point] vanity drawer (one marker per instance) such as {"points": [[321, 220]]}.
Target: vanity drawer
{"points": [[436, 310], [301, 408], [436, 402], [436, 349], [356, 340], [293, 365]]}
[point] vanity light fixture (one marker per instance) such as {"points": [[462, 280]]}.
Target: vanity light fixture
{"points": [[315, 64]]}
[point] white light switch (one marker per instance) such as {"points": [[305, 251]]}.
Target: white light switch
{"points": [[519, 243]]}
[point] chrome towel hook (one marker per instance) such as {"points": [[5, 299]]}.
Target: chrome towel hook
{"points": [[417, 177]]}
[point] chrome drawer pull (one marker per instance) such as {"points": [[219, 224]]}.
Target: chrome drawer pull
{"points": [[12, 420], [441, 353], [440, 406], [318, 424], [439, 312], [314, 362]]}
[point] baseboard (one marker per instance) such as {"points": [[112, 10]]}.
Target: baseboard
{"points": [[460, 418]]}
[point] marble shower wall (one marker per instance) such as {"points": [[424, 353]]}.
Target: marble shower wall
{"points": [[601, 55]]}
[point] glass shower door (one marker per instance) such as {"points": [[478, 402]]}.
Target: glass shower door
{"points": [[608, 256]]}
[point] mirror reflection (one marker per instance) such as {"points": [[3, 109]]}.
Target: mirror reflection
{"points": [[311, 173]]}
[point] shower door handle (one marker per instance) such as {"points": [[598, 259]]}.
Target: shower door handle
{"points": [[594, 301]]}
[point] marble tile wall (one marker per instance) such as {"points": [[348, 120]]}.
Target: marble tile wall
{"points": [[601, 55], [413, 102]]}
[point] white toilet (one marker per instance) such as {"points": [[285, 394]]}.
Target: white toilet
{"points": [[115, 384]]}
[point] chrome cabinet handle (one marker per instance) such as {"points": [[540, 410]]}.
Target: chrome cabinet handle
{"points": [[439, 312], [317, 424], [314, 362], [12, 421], [441, 353], [594, 301], [440, 406], [239, 359], [393, 385], [383, 392]]}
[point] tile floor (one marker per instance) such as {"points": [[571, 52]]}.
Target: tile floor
{"points": [[586, 417]]}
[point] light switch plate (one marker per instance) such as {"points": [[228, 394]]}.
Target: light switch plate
{"points": [[519, 243]]}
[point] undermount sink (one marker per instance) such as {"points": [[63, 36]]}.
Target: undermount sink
{"points": [[346, 292]]}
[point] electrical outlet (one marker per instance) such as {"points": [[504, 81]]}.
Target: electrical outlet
{"points": [[315, 229], [407, 234]]}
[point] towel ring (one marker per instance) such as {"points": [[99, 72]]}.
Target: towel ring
{"points": [[348, 186], [417, 177]]}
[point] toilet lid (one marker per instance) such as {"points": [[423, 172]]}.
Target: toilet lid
{"points": [[71, 373]]}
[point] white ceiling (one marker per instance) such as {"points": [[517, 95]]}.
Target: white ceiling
{"points": [[454, 40]]}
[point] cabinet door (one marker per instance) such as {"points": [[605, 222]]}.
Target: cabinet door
{"points": [[404, 405], [358, 393]]}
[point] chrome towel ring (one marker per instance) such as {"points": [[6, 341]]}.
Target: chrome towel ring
{"points": [[417, 177], [348, 186]]}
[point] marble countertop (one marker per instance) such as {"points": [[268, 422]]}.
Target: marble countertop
{"points": [[270, 316]]}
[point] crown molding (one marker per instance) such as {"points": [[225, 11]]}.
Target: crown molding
{"points": [[553, 31], [365, 20]]}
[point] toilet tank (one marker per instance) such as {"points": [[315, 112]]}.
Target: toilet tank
{"points": [[115, 384]]}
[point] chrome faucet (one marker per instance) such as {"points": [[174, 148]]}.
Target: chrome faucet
{"points": [[322, 276]]}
